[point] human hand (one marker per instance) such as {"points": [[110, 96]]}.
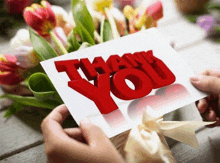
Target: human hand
{"points": [[209, 107], [85, 144]]}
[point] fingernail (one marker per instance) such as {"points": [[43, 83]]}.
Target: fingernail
{"points": [[196, 78]]}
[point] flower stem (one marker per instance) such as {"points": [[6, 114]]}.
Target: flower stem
{"points": [[112, 23], [58, 42], [97, 36]]}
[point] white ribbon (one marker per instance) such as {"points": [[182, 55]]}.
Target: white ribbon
{"points": [[146, 142]]}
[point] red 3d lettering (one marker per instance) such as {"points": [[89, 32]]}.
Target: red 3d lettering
{"points": [[143, 69]]}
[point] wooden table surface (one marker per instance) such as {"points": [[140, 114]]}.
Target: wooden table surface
{"points": [[21, 139]]}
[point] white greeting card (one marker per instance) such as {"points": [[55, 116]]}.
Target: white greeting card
{"points": [[111, 103]]}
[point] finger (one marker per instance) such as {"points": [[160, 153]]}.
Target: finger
{"points": [[75, 133], [211, 72], [51, 125], [93, 134], [210, 115], [208, 84], [202, 106]]}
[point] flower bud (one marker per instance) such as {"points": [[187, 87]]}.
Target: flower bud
{"points": [[9, 70], [40, 17]]}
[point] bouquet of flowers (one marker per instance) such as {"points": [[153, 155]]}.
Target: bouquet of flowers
{"points": [[53, 32]]}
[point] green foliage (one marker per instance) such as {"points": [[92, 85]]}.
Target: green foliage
{"points": [[106, 31], [213, 6], [32, 101], [42, 48], [192, 18], [73, 44], [16, 107], [85, 27], [42, 88], [84, 34], [82, 15]]}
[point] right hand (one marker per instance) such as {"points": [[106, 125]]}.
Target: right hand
{"points": [[209, 107]]}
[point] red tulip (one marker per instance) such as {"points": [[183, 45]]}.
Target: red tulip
{"points": [[16, 6], [9, 70], [40, 17]]}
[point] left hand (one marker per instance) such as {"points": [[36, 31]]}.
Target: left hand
{"points": [[85, 144]]}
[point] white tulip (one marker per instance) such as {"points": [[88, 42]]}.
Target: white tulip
{"points": [[22, 38], [59, 11], [119, 19], [26, 57], [71, 19]]}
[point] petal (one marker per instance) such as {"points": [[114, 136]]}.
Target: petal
{"points": [[61, 15], [6, 67], [119, 20], [49, 12], [21, 38], [26, 57], [99, 5], [40, 11], [9, 78], [206, 22], [155, 10], [10, 58], [59, 11], [34, 20]]}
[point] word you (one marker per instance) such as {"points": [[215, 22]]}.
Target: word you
{"points": [[143, 69]]}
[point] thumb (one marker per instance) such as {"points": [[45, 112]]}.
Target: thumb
{"points": [[210, 84], [93, 134]]}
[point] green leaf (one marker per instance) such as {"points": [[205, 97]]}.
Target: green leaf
{"points": [[32, 101], [214, 6], [85, 45], [85, 36], [16, 107], [126, 32], [106, 31], [81, 14], [192, 18], [42, 88], [218, 29], [218, 40], [73, 44], [42, 47]]}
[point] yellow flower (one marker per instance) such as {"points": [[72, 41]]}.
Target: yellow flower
{"points": [[100, 5]]}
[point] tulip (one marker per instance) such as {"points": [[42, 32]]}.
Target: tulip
{"points": [[10, 72], [210, 24], [21, 38], [25, 53], [63, 19], [16, 6], [26, 57], [123, 3], [104, 6], [42, 19], [100, 5], [144, 17], [119, 20]]}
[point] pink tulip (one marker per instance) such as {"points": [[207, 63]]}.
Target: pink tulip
{"points": [[40, 17], [9, 70]]}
